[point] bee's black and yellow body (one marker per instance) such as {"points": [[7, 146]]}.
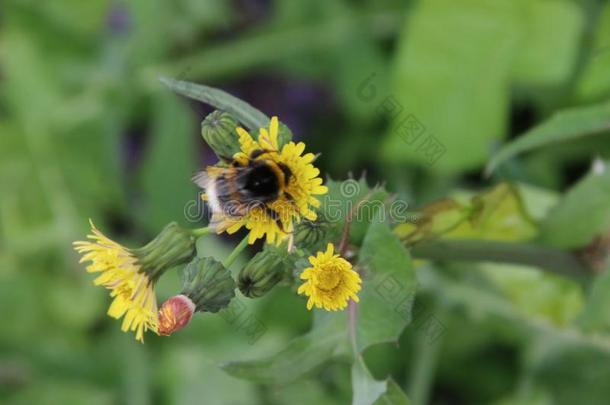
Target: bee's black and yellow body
{"points": [[244, 185]]}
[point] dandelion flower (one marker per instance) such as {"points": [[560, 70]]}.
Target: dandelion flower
{"points": [[331, 282], [296, 201], [130, 275]]}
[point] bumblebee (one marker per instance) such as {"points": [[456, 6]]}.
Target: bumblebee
{"points": [[254, 182]]}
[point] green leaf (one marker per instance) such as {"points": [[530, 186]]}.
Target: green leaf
{"points": [[567, 125], [495, 214], [535, 293], [546, 54], [368, 391], [388, 288], [355, 198], [393, 395], [596, 315], [437, 69], [582, 214], [595, 80], [569, 372], [302, 355], [168, 165], [242, 111]]}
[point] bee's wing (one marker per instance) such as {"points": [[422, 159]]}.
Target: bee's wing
{"points": [[222, 190]]}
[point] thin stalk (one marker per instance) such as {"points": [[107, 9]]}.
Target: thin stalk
{"points": [[199, 232], [235, 253], [545, 258]]}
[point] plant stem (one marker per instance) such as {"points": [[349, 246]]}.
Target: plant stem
{"points": [[352, 318], [199, 232], [545, 258], [424, 366], [235, 253]]}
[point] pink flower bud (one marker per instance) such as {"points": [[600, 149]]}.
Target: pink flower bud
{"points": [[175, 314]]}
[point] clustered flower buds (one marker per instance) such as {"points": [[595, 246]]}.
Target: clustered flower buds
{"points": [[264, 271], [289, 213]]}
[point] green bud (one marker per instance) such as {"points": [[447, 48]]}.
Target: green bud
{"points": [[172, 247], [264, 271], [314, 235], [208, 284], [218, 130]]}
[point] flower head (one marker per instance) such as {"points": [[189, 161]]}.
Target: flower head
{"points": [[130, 275], [330, 282], [131, 289], [296, 201]]}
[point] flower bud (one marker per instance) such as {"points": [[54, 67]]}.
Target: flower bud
{"points": [[173, 246], [314, 235], [175, 314], [218, 130], [208, 284], [264, 271]]}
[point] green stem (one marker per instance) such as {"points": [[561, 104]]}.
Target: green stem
{"points": [[545, 258], [424, 366], [199, 232], [235, 253]]}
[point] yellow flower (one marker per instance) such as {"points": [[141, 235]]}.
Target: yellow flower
{"points": [[295, 202], [330, 282], [131, 288]]}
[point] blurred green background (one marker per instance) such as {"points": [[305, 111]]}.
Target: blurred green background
{"points": [[87, 131]]}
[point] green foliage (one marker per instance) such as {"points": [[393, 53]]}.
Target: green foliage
{"points": [[381, 316], [356, 200], [595, 83], [568, 125], [485, 47], [302, 355], [389, 288], [88, 131], [495, 214], [582, 214], [369, 391]]}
